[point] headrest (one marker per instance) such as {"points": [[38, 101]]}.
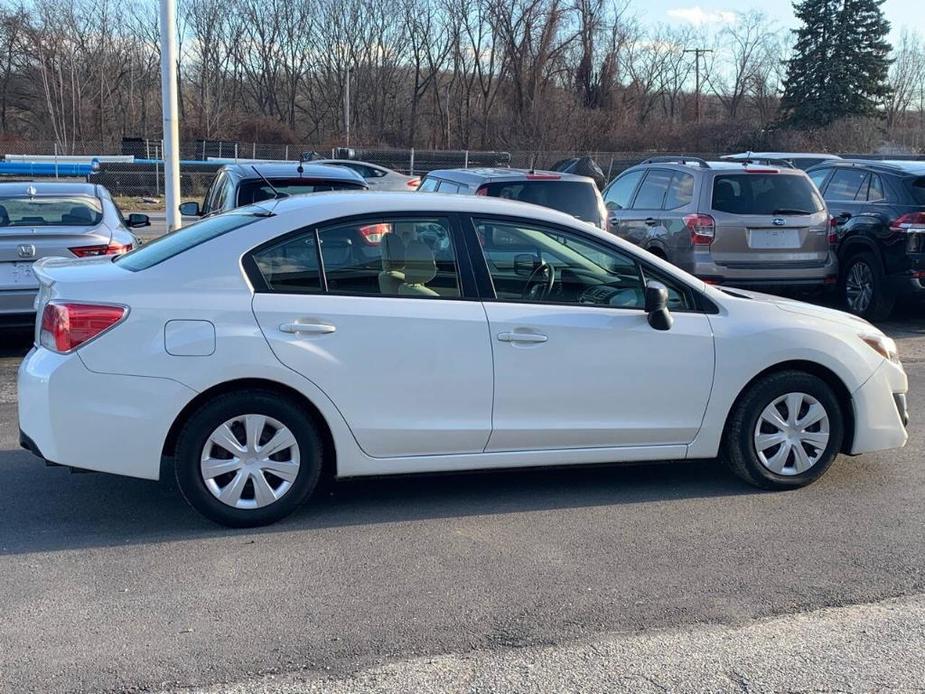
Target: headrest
{"points": [[393, 252], [420, 265], [80, 215]]}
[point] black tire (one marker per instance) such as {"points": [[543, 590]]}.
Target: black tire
{"points": [[199, 427], [739, 448], [882, 299]]}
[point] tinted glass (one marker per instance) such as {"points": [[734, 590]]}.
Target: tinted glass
{"points": [[765, 194], [256, 190], [917, 187], [845, 184], [177, 242], [875, 189], [652, 193], [620, 192], [428, 185], [577, 198], [447, 187], [818, 177], [76, 211], [680, 192], [291, 266], [412, 258]]}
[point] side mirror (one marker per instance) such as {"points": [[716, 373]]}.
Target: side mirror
{"points": [[190, 209], [525, 264], [659, 316], [138, 220]]}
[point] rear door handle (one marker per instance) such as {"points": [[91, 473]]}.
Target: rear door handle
{"points": [[651, 222], [522, 337], [307, 328]]}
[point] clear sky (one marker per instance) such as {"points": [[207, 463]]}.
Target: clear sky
{"points": [[713, 13]]}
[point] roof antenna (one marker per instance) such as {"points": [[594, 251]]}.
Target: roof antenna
{"points": [[276, 194]]}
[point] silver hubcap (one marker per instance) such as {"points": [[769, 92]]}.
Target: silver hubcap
{"points": [[859, 286], [250, 461], [792, 433]]}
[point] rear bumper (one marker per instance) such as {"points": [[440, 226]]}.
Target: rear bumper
{"points": [[771, 275], [72, 416], [880, 413], [17, 302]]}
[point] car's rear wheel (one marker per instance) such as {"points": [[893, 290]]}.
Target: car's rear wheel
{"points": [[784, 431], [864, 288], [247, 459]]}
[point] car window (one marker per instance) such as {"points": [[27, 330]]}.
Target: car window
{"points": [[447, 187], [177, 242], [291, 266], [218, 184], [521, 256], [619, 194], [818, 177], [579, 199], [680, 191], [428, 185], [765, 194], [257, 190], [917, 187], [651, 194], [48, 211], [845, 184], [875, 191]]}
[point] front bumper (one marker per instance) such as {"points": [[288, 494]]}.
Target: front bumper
{"points": [[880, 415], [75, 417]]}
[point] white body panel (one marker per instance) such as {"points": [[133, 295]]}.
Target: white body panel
{"points": [[409, 385]]}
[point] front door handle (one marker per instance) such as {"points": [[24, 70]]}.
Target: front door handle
{"points": [[522, 337], [651, 221], [307, 328]]}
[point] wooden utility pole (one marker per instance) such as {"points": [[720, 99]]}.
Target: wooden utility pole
{"points": [[697, 53]]}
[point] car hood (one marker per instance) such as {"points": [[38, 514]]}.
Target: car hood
{"points": [[800, 307]]}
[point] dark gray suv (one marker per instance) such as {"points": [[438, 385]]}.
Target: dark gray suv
{"points": [[737, 223]]}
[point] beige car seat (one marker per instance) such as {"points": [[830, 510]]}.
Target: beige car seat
{"points": [[392, 276], [420, 268]]}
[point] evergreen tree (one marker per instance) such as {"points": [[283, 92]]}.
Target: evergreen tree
{"points": [[840, 62]]}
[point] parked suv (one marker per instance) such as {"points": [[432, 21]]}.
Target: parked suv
{"points": [[730, 223], [569, 193], [236, 185], [880, 210], [801, 160]]}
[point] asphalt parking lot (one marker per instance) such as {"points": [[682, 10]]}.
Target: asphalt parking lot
{"points": [[112, 584]]}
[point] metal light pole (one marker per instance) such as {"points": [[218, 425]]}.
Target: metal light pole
{"points": [[169, 106]]}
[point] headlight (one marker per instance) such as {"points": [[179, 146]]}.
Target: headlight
{"points": [[883, 345]]}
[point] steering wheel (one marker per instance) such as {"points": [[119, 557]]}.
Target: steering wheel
{"points": [[540, 282]]}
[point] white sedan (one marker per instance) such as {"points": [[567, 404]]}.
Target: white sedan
{"points": [[350, 334]]}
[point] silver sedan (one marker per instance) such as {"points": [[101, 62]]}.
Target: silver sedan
{"points": [[378, 178], [38, 220]]}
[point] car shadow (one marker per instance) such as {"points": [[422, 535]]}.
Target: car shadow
{"points": [[49, 509]]}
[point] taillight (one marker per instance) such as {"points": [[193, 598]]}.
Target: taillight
{"points": [[413, 183], [481, 190], [372, 234], [832, 236], [102, 249], [912, 222], [66, 326], [702, 228]]}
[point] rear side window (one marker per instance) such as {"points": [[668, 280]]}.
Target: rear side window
{"points": [[447, 187], [845, 184], [680, 191], [917, 187], [875, 191], [428, 185], [620, 193], [652, 193], [577, 198], [765, 194], [177, 242], [818, 177]]}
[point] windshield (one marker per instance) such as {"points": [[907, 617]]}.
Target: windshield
{"points": [[76, 211], [257, 190], [576, 198], [177, 242], [765, 193]]}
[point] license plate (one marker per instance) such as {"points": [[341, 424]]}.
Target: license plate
{"points": [[18, 275], [773, 238]]}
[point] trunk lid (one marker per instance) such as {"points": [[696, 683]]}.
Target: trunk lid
{"points": [[780, 241], [20, 247]]}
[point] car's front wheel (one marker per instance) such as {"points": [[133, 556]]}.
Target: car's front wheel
{"points": [[247, 459], [784, 431]]}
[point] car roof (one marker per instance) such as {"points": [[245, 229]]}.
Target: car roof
{"points": [[351, 161], [290, 170], [482, 174], [727, 166], [781, 155], [21, 188], [911, 167]]}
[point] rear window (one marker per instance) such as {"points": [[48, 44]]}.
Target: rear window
{"points": [[257, 190], [765, 194], [576, 198], [180, 241], [918, 190], [46, 211]]}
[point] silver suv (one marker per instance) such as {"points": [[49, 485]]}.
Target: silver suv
{"points": [[738, 223]]}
